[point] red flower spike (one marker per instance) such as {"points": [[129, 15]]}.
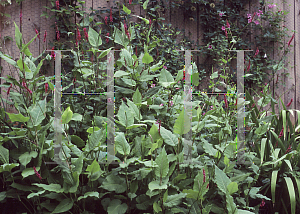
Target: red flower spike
{"points": [[288, 149], [38, 35], [130, 1], [248, 68], [46, 87], [45, 35], [9, 88], [252, 16], [107, 39], [21, 15], [225, 100], [57, 5], [227, 24], [105, 19], [289, 43], [256, 52], [288, 105], [262, 203], [110, 16], [36, 173], [85, 34], [78, 34]]}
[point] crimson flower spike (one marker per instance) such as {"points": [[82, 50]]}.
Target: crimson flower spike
{"points": [[225, 100], [45, 35], [248, 68], [110, 16], [288, 105], [289, 43]]}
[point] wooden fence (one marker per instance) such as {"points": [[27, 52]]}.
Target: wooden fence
{"points": [[31, 20]]}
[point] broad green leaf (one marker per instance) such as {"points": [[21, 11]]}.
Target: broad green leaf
{"points": [[174, 200], [121, 144], [121, 73], [104, 53], [8, 60], [232, 188], [76, 117], [64, 206], [154, 133], [262, 150], [77, 141], [163, 164], [127, 56], [145, 4], [31, 195], [145, 20], [26, 157], [29, 171], [26, 46], [94, 140], [214, 75], [168, 137], [89, 194], [135, 126], [147, 58], [7, 167], [182, 124], [231, 206], [221, 180], [117, 207], [92, 129], [120, 38], [17, 117], [94, 38], [24, 188], [284, 123], [191, 193], [209, 148], [244, 212], [156, 208], [291, 190], [114, 183], [137, 97], [126, 10], [2, 195], [18, 36], [4, 155], [51, 187], [166, 78], [36, 71], [129, 82], [37, 112], [195, 79], [261, 129], [94, 170], [133, 108], [165, 196], [273, 184], [156, 184]]}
